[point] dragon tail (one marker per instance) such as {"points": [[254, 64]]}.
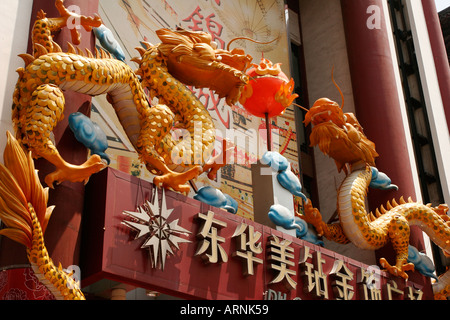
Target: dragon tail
{"points": [[436, 224], [24, 212]]}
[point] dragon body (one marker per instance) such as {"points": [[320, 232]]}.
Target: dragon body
{"points": [[341, 137], [180, 106], [24, 211], [38, 101], [188, 58]]}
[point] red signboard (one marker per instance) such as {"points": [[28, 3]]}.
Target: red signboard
{"points": [[219, 256]]}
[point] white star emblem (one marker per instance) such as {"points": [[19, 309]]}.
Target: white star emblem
{"points": [[162, 236]]}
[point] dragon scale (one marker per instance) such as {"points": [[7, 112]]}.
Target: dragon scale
{"points": [[60, 283], [196, 121], [24, 212], [373, 234], [45, 76]]}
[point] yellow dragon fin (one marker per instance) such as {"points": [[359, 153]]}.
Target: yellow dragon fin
{"points": [[23, 210], [22, 182]]}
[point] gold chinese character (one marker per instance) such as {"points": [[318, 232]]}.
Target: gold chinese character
{"points": [[209, 248], [413, 294], [341, 276], [368, 285], [280, 253], [247, 249], [315, 280], [392, 288]]}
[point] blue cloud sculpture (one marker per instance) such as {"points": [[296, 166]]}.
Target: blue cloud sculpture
{"points": [[282, 216], [276, 161], [306, 233], [107, 40], [422, 262], [89, 134], [381, 181], [216, 198], [286, 178]]}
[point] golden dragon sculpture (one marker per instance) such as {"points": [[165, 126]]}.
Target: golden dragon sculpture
{"points": [[38, 105], [24, 211], [38, 100], [340, 136]]}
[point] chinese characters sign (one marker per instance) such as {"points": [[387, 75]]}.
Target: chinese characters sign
{"points": [[281, 261], [222, 256]]}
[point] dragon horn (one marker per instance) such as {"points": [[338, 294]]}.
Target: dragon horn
{"points": [[146, 45], [141, 50], [337, 86]]}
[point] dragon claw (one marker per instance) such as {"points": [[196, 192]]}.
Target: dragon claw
{"points": [[313, 216], [87, 22], [75, 173], [399, 269], [220, 160], [177, 181]]}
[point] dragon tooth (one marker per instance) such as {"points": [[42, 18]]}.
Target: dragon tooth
{"points": [[89, 53], [138, 60], [40, 50], [79, 52], [20, 71], [146, 45]]}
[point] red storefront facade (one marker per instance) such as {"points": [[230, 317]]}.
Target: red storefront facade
{"points": [[283, 266], [220, 255]]}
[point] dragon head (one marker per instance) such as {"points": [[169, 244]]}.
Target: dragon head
{"points": [[324, 110], [194, 59], [339, 135]]}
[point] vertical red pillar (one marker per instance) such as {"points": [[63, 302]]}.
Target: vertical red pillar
{"points": [[439, 52], [62, 236], [376, 96]]}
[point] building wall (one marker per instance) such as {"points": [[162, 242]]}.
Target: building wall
{"points": [[432, 93], [14, 26], [324, 43], [435, 80], [324, 48]]}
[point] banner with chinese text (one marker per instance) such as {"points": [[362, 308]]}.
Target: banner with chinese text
{"points": [[191, 250]]}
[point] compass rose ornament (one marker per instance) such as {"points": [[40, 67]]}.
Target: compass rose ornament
{"points": [[162, 236]]}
